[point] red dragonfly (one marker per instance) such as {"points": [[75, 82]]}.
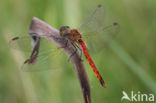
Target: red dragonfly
{"points": [[95, 31]]}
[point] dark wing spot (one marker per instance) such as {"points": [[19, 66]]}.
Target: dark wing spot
{"points": [[115, 23], [99, 6], [15, 38]]}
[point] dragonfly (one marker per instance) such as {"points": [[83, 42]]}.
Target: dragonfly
{"points": [[93, 31]]}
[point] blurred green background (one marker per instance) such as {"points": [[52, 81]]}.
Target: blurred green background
{"points": [[128, 63]]}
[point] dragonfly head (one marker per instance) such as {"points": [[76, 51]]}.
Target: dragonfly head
{"points": [[64, 30]]}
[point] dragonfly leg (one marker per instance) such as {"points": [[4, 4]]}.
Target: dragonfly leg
{"points": [[79, 50], [76, 51], [73, 52]]}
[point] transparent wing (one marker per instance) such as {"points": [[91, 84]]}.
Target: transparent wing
{"points": [[23, 43], [98, 40], [94, 21], [96, 31], [45, 58]]}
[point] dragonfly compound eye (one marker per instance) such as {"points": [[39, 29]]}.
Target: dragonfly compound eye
{"points": [[64, 30]]}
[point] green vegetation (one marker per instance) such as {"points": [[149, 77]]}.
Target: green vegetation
{"points": [[128, 63]]}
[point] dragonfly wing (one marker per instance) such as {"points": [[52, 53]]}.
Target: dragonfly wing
{"points": [[23, 43], [94, 21], [39, 59], [45, 58], [43, 62], [95, 30], [97, 40], [108, 32]]}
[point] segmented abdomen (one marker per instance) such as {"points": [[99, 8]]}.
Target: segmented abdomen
{"points": [[90, 61]]}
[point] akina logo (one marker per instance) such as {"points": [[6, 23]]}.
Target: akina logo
{"points": [[138, 96]]}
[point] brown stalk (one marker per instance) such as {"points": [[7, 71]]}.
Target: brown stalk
{"points": [[44, 30]]}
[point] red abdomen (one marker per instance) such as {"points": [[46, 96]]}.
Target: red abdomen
{"points": [[90, 61]]}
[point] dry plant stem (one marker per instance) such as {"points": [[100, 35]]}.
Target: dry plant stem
{"points": [[44, 30]]}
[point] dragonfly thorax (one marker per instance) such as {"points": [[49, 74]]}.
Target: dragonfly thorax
{"points": [[70, 34]]}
